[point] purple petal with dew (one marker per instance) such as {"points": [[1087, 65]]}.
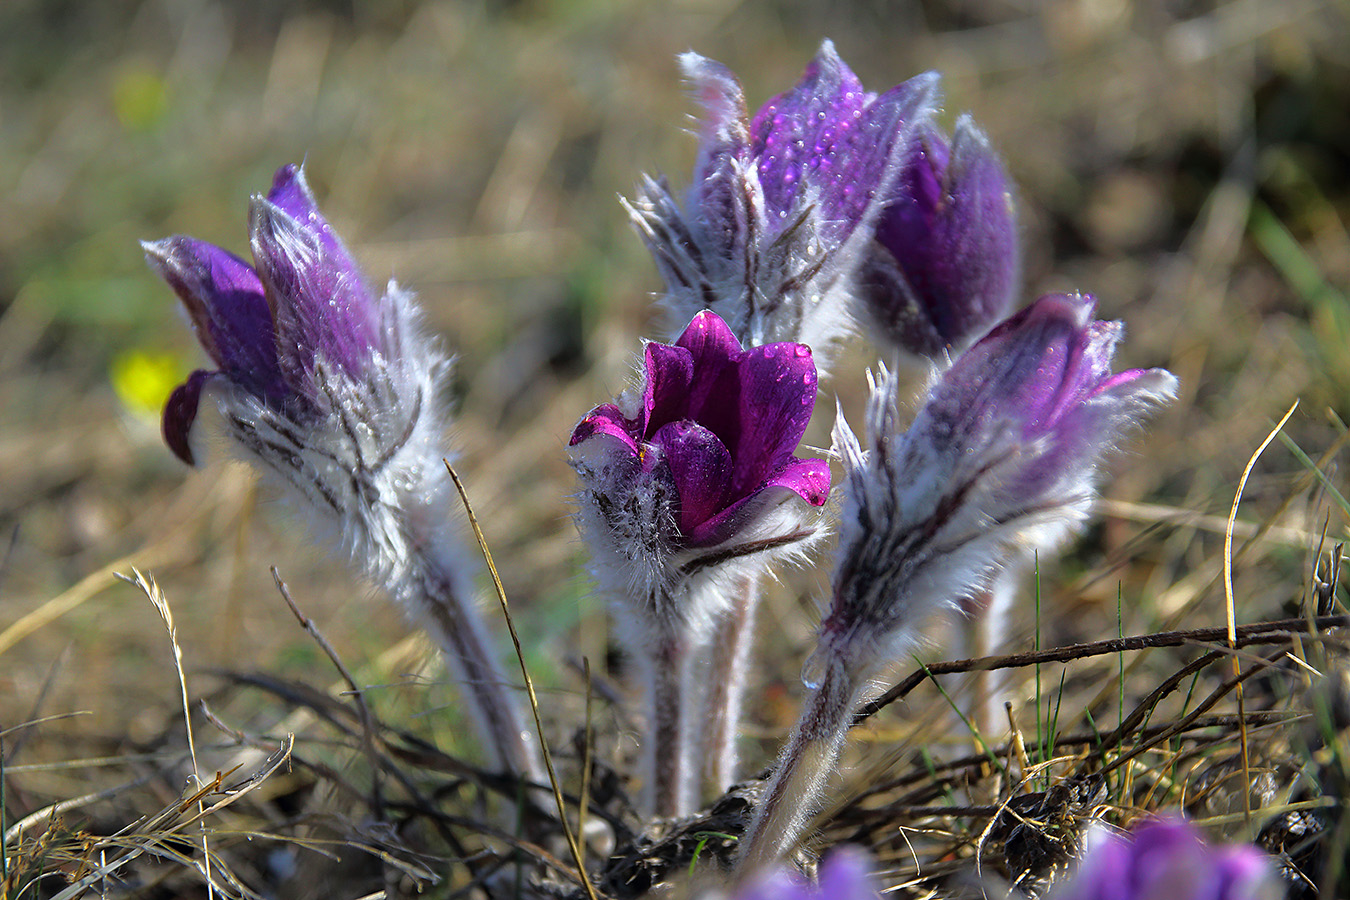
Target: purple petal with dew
{"points": [[793, 130], [872, 151], [224, 299], [807, 478], [180, 412], [319, 301], [700, 465], [665, 396], [777, 394], [605, 420]]}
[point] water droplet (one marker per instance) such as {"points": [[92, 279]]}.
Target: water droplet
{"points": [[814, 669], [802, 351]]}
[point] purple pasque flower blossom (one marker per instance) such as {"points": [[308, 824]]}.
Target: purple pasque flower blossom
{"points": [[708, 443], [1166, 859], [332, 389], [689, 488], [278, 332], [782, 205], [999, 463], [946, 260]]}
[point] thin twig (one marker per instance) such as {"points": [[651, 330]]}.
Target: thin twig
{"points": [[1247, 635], [358, 696]]}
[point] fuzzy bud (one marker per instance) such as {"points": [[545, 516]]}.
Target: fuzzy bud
{"points": [[782, 207]]}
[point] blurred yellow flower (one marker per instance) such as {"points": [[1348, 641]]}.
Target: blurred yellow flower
{"points": [[143, 380]]}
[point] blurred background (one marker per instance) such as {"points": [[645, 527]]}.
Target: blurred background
{"points": [[1186, 161]]}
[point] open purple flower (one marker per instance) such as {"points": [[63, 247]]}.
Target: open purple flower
{"points": [[690, 486], [719, 425], [1167, 859], [946, 260], [782, 206]]}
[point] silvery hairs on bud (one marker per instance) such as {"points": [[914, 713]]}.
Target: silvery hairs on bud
{"points": [[782, 207], [333, 391]]}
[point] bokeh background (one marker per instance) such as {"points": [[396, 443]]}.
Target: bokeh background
{"points": [[1186, 162]]}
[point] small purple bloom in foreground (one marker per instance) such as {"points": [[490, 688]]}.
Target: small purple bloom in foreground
{"points": [[782, 207], [845, 874], [707, 449], [946, 261], [1166, 859], [1000, 462]]}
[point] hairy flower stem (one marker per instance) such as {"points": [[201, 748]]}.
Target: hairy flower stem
{"points": [[727, 674], [667, 760], [803, 768], [459, 630]]}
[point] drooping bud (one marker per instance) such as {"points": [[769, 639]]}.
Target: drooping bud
{"points": [[330, 389], [999, 463], [946, 260]]}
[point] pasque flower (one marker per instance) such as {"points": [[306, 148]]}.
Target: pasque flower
{"points": [[946, 260], [332, 389], [1167, 859], [782, 206], [688, 482], [1000, 463]]}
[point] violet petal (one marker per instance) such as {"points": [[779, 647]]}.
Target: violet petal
{"points": [[224, 299], [605, 419], [701, 467], [776, 398], [716, 192], [319, 301], [799, 127], [180, 412], [665, 397]]}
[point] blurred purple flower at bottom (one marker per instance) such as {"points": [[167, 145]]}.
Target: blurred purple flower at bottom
{"points": [[846, 874], [1166, 859]]}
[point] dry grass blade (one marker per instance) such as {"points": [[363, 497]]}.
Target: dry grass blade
{"points": [[577, 855], [1229, 604], [149, 836], [152, 590]]}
